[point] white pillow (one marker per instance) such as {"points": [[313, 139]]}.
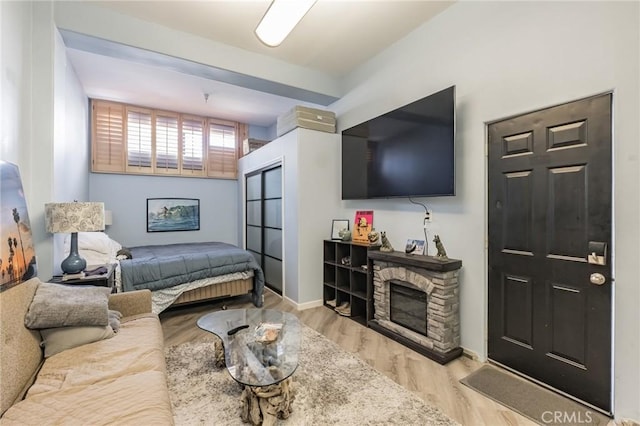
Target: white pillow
{"points": [[93, 258], [95, 241], [56, 340]]}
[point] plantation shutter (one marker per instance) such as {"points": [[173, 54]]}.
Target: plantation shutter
{"points": [[222, 150], [131, 139], [107, 137], [167, 142], [138, 140], [192, 146]]}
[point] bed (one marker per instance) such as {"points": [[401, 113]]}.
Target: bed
{"points": [[178, 274]]}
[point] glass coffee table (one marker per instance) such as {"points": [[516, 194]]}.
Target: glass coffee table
{"points": [[260, 351]]}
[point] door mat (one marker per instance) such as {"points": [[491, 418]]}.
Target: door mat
{"points": [[533, 401]]}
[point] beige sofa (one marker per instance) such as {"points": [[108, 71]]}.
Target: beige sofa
{"points": [[120, 380]]}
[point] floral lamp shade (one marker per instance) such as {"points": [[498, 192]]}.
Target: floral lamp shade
{"points": [[74, 217]]}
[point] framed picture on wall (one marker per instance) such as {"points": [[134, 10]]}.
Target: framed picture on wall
{"points": [[338, 225], [173, 214]]}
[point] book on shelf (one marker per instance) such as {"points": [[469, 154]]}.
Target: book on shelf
{"points": [[78, 276]]}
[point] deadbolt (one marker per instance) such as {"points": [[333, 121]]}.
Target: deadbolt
{"points": [[597, 253], [597, 279]]}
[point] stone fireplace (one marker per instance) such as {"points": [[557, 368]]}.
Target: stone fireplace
{"points": [[406, 287]]}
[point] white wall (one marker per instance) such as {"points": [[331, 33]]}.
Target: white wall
{"points": [[34, 100], [259, 132], [126, 196], [44, 117], [507, 58], [15, 83], [319, 203], [71, 154], [311, 199]]}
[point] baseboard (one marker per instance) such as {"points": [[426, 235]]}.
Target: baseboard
{"points": [[305, 305], [470, 354]]}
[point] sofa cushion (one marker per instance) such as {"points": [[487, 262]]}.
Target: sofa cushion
{"points": [[58, 339], [20, 352], [57, 305], [120, 380]]}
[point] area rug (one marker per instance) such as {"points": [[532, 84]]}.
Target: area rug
{"points": [[531, 400], [332, 387]]}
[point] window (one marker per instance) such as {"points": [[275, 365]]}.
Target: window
{"points": [[107, 132], [138, 139], [192, 144], [222, 149], [166, 125], [131, 139]]}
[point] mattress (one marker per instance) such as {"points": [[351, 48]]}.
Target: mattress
{"points": [[167, 266]]}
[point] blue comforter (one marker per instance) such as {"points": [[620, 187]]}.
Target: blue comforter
{"points": [[162, 266]]}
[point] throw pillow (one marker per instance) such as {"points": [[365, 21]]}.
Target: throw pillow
{"points": [[55, 340], [58, 305]]}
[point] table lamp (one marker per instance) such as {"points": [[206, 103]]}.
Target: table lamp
{"points": [[73, 218]]}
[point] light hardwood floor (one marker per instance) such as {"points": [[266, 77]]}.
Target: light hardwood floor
{"points": [[437, 384]]}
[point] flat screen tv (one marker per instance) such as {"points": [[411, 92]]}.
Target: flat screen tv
{"points": [[403, 153]]}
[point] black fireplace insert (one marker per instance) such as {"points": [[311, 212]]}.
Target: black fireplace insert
{"points": [[408, 307]]}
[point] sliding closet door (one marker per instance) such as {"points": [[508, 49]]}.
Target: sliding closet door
{"points": [[254, 216], [264, 223]]}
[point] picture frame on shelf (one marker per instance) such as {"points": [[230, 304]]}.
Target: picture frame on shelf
{"points": [[362, 225], [414, 247], [338, 225], [173, 214]]}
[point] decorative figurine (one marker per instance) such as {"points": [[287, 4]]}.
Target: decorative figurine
{"points": [[442, 254], [345, 234], [374, 238], [386, 245]]}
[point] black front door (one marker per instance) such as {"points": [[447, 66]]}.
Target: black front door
{"points": [[549, 227]]}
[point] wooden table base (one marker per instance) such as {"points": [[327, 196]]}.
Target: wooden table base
{"points": [[266, 404], [261, 405], [218, 353]]}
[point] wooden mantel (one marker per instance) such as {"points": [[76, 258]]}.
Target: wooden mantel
{"points": [[431, 263]]}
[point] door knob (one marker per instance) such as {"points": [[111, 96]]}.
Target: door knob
{"points": [[597, 278]]}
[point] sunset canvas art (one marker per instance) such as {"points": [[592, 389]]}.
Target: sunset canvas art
{"points": [[17, 253]]}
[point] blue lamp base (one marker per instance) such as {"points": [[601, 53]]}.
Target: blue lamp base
{"points": [[73, 264]]}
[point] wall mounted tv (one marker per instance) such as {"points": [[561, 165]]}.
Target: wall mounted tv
{"points": [[405, 152]]}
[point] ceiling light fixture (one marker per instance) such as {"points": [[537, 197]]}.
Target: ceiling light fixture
{"points": [[280, 19]]}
